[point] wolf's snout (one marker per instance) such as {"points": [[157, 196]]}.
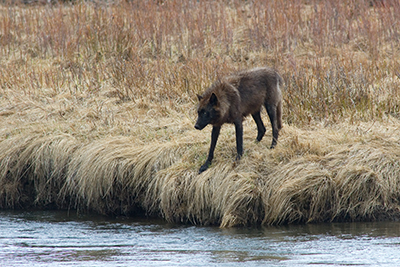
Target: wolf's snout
{"points": [[199, 125]]}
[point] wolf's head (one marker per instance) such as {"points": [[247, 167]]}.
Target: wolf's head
{"points": [[206, 111]]}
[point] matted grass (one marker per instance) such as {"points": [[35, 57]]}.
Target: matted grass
{"points": [[343, 174], [98, 100]]}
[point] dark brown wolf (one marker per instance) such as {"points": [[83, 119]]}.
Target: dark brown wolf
{"points": [[234, 97]]}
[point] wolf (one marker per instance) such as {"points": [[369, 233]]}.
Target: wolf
{"points": [[232, 98]]}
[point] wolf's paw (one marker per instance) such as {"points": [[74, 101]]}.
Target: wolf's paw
{"points": [[204, 167]]}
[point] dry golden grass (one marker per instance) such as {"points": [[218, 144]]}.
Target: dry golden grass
{"points": [[97, 107], [349, 175]]}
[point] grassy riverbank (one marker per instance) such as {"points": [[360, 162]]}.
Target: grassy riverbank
{"points": [[97, 107]]}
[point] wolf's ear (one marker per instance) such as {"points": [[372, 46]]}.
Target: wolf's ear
{"points": [[199, 97], [213, 99]]}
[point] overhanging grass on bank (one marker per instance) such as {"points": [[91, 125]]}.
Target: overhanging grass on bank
{"points": [[345, 177]]}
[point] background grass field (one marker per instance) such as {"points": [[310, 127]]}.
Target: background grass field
{"points": [[98, 102]]}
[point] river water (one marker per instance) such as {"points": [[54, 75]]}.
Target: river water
{"points": [[56, 238]]}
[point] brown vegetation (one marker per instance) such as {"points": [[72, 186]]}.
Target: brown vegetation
{"points": [[97, 107]]}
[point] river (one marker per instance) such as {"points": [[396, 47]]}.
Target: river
{"points": [[59, 238]]}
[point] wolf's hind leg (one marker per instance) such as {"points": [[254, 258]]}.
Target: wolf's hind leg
{"points": [[260, 125], [271, 110]]}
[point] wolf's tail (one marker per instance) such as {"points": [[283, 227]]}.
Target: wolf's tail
{"points": [[280, 79], [279, 115], [279, 106]]}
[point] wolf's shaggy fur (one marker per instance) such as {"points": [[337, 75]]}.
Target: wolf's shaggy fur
{"points": [[235, 97]]}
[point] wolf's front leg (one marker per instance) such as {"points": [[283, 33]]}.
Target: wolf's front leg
{"points": [[239, 139], [214, 138]]}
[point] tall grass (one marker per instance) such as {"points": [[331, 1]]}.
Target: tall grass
{"points": [[339, 59], [97, 106]]}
